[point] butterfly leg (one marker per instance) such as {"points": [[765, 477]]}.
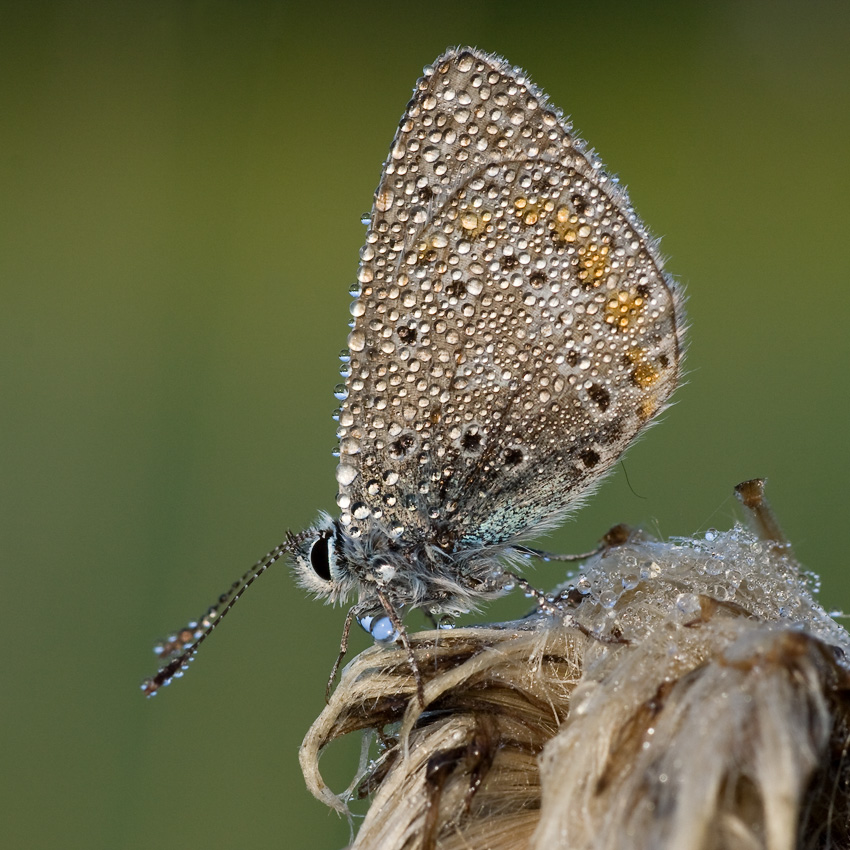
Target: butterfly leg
{"points": [[398, 625], [343, 648], [549, 605], [618, 535], [553, 556]]}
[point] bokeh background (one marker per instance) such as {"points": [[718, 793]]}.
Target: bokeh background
{"points": [[182, 185]]}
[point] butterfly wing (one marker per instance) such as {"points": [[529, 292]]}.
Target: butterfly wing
{"points": [[514, 330]]}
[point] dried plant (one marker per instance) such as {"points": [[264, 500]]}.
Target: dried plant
{"points": [[702, 705]]}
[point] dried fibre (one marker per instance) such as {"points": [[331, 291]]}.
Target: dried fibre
{"points": [[707, 707]]}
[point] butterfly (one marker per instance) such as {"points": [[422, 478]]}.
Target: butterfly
{"points": [[512, 332]]}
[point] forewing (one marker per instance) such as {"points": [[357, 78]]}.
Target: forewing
{"points": [[514, 330]]}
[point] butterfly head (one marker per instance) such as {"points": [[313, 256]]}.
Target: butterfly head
{"points": [[319, 562]]}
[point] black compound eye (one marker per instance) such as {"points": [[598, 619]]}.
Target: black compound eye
{"points": [[320, 557]]}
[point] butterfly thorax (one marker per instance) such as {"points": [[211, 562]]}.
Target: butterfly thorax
{"points": [[409, 573]]}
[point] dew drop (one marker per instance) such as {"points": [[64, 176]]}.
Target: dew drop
{"points": [[381, 629], [357, 340], [346, 473]]}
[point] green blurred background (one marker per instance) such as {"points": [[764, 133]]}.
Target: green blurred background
{"points": [[182, 185]]}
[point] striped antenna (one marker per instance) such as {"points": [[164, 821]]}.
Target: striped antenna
{"points": [[180, 648]]}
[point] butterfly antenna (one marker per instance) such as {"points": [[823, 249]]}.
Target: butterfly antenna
{"points": [[181, 647]]}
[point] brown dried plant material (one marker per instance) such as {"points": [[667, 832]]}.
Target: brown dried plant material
{"points": [[707, 709]]}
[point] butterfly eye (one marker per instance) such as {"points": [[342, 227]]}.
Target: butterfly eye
{"points": [[320, 557]]}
